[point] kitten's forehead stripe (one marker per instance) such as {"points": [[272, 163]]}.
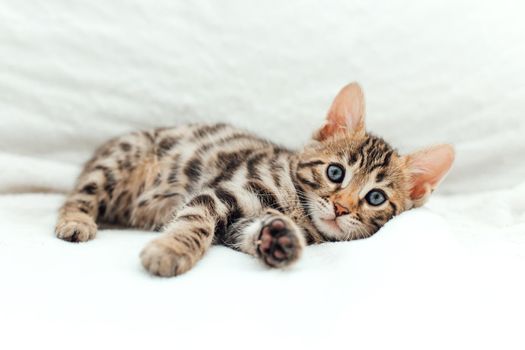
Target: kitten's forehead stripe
{"points": [[374, 153], [352, 158], [381, 161], [361, 151]]}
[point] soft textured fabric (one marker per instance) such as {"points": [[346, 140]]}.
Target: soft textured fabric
{"points": [[449, 275]]}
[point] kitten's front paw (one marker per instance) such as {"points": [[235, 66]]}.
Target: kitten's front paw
{"points": [[161, 260], [279, 244], [76, 230]]}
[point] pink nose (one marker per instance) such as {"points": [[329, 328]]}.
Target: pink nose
{"points": [[340, 210]]}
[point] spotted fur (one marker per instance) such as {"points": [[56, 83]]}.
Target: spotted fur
{"points": [[204, 184]]}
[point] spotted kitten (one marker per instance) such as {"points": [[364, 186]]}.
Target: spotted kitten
{"points": [[214, 184]]}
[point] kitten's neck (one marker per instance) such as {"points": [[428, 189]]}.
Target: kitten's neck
{"points": [[300, 212]]}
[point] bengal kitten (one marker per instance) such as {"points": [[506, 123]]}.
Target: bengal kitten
{"points": [[215, 184]]}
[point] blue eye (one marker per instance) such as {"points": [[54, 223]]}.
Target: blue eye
{"points": [[336, 173], [375, 197]]}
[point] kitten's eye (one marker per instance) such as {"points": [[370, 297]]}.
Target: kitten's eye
{"points": [[336, 173], [375, 197]]}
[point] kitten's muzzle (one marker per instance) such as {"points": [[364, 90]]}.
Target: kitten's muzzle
{"points": [[340, 210]]}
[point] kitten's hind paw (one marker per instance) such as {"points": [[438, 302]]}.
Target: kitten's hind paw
{"points": [[280, 244], [76, 230]]}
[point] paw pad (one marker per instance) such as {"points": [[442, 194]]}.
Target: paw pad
{"points": [[278, 245]]}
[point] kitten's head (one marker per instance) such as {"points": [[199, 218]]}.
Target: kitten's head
{"points": [[354, 182]]}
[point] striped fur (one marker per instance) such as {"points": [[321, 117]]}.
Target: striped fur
{"points": [[215, 184]]}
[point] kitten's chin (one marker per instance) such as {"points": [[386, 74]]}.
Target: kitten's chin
{"points": [[329, 228]]}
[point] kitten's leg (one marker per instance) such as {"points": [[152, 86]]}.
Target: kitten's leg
{"points": [[185, 238], [77, 217], [274, 238]]}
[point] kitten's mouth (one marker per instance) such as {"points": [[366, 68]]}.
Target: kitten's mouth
{"points": [[332, 225]]}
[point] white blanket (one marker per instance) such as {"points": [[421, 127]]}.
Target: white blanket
{"points": [[449, 275]]}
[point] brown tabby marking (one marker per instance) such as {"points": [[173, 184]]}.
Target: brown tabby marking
{"points": [[215, 184]]}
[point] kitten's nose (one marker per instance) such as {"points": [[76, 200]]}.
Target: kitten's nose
{"points": [[340, 210]]}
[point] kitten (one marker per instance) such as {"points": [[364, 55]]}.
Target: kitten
{"points": [[214, 184]]}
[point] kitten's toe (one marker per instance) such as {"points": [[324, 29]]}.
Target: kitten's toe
{"points": [[76, 230], [160, 260], [279, 245]]}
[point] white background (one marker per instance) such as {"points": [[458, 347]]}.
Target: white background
{"points": [[73, 73]]}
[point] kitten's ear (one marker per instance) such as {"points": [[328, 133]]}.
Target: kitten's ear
{"points": [[427, 168], [347, 113]]}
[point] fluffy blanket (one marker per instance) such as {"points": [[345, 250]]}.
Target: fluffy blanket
{"points": [[449, 275]]}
